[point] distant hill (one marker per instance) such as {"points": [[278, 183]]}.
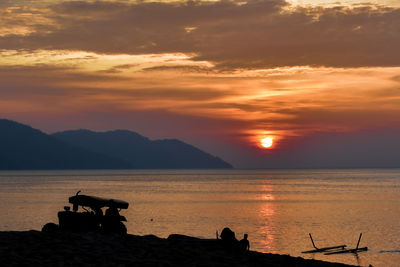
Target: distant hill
{"points": [[141, 152], [25, 148]]}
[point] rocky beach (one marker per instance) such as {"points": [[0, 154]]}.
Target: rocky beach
{"points": [[34, 248]]}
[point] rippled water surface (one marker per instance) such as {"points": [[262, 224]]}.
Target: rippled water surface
{"points": [[277, 208]]}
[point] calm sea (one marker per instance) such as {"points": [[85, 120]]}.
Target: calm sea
{"points": [[277, 208]]}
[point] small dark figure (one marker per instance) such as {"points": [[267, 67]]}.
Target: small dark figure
{"points": [[228, 235], [98, 212], [111, 220], [112, 212], [244, 243], [228, 238]]}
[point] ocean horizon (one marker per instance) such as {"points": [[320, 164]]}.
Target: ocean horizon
{"points": [[277, 208]]}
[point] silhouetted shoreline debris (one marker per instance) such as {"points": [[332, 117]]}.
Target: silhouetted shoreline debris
{"points": [[34, 248]]}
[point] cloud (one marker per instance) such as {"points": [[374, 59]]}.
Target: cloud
{"points": [[218, 74], [396, 78], [257, 34], [224, 113], [318, 99]]}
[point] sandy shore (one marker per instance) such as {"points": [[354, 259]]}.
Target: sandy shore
{"points": [[33, 248]]}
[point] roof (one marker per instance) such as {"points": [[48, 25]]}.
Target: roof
{"points": [[97, 202]]}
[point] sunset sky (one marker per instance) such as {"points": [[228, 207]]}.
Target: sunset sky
{"points": [[319, 78]]}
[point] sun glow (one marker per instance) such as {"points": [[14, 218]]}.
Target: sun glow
{"points": [[267, 142]]}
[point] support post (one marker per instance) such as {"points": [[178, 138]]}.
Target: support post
{"points": [[358, 240]]}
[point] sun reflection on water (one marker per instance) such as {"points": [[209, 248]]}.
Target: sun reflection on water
{"points": [[266, 215]]}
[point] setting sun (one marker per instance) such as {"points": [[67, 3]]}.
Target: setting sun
{"points": [[267, 142]]}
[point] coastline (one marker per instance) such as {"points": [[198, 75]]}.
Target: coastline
{"points": [[34, 248]]}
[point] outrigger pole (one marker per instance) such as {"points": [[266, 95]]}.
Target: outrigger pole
{"points": [[353, 250], [321, 249]]}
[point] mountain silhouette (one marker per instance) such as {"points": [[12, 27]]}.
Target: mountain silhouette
{"points": [[141, 152], [25, 148]]}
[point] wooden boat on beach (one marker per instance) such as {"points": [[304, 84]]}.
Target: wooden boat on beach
{"points": [[324, 249], [352, 250], [340, 249]]}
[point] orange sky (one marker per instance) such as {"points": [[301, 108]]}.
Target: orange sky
{"points": [[218, 74]]}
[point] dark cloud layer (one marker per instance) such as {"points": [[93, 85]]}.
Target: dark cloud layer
{"points": [[252, 35]]}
